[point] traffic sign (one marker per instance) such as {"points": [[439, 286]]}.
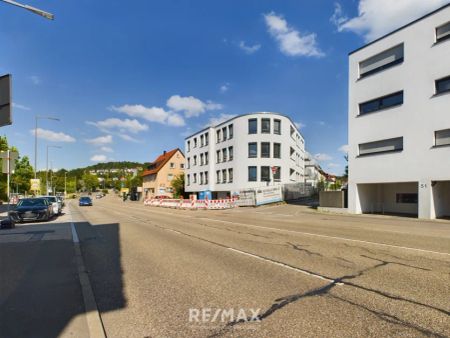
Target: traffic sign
{"points": [[13, 156], [274, 170], [5, 100], [35, 184]]}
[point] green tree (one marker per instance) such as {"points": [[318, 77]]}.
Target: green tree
{"points": [[178, 186], [22, 175], [90, 182]]}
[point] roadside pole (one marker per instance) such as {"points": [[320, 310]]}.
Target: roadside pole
{"points": [[8, 173]]}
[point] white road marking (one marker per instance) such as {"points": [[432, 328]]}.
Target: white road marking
{"points": [[330, 237], [285, 266]]}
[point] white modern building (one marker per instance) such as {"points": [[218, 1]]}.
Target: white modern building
{"points": [[247, 151], [399, 121]]}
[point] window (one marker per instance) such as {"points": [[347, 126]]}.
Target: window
{"points": [[182, 165], [195, 159], [252, 174], [189, 145], [277, 150], [384, 102], [230, 131], [206, 139], [206, 158], [195, 142], [265, 174], [252, 126], [277, 175], [201, 178], [224, 154], [277, 127], [206, 177], [442, 137], [408, 198], [169, 177], [383, 146], [265, 149], [201, 140], [218, 156], [224, 176], [292, 131], [443, 32], [195, 178], [224, 133], [253, 150], [188, 179], [265, 126], [189, 163], [230, 175], [201, 159], [443, 85], [218, 138], [172, 165], [218, 176], [230, 153], [381, 61], [291, 152]]}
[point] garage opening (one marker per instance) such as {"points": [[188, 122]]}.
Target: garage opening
{"points": [[441, 199], [389, 198]]}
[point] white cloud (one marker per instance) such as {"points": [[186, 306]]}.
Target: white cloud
{"points": [[344, 148], [101, 140], [106, 149], [249, 49], [153, 114], [128, 138], [187, 132], [53, 136], [98, 158], [132, 126], [175, 120], [332, 165], [215, 120], [290, 41], [299, 125], [378, 17], [191, 106], [322, 157], [36, 80], [19, 106], [224, 88]]}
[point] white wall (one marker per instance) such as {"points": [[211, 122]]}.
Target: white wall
{"points": [[416, 120]]}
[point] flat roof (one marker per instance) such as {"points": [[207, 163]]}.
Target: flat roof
{"points": [[238, 116], [402, 27]]}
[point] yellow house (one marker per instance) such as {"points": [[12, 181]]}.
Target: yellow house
{"points": [[159, 175]]}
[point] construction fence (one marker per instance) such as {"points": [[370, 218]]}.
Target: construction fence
{"points": [[205, 204]]}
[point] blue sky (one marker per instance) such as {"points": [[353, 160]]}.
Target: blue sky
{"points": [[131, 79]]}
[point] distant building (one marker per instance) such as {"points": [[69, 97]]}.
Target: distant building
{"points": [[313, 172], [399, 121], [247, 151], [159, 175]]}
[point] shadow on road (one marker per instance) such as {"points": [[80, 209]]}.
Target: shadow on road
{"points": [[40, 292]]}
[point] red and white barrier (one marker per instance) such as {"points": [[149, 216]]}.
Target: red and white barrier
{"points": [[227, 203]]}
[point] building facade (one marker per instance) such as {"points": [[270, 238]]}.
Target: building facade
{"points": [[247, 151], [399, 121], [158, 177]]}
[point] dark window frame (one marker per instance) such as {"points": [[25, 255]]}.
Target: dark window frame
{"points": [[275, 121], [381, 105], [279, 152], [383, 67], [437, 92], [265, 167], [381, 152], [435, 139], [443, 38], [265, 120], [256, 149], [256, 126], [407, 198], [262, 147], [255, 168]]}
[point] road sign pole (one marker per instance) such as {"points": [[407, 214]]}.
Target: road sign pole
{"points": [[8, 166]]}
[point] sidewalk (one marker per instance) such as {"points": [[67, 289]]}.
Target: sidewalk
{"points": [[40, 292]]}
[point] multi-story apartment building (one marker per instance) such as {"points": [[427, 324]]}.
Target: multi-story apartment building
{"points": [[247, 151], [399, 120], [158, 177]]}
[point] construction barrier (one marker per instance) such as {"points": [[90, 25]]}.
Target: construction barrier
{"points": [[226, 203]]}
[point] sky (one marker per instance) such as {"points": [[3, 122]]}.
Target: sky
{"points": [[131, 79]]}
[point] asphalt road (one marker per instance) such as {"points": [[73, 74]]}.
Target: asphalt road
{"points": [[278, 271]]}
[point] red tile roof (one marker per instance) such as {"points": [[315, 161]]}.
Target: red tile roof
{"points": [[160, 162]]}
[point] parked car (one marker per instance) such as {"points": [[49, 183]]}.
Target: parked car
{"points": [[57, 205], [85, 201], [32, 209], [98, 196]]}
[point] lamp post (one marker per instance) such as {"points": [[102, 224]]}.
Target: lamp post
{"points": [[46, 172], [65, 184], [37, 11], [36, 137]]}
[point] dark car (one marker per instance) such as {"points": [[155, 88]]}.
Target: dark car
{"points": [[31, 209], [85, 201]]}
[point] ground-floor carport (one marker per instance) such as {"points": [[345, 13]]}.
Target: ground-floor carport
{"points": [[388, 198], [441, 198]]}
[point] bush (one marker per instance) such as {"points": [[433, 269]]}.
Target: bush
{"points": [[105, 191]]}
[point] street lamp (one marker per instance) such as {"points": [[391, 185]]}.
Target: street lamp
{"points": [[36, 137], [65, 184], [46, 172], [37, 11]]}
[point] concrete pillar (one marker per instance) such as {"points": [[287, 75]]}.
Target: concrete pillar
{"points": [[426, 203], [354, 203]]}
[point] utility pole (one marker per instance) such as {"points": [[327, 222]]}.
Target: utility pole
{"points": [[37, 11], [65, 184]]}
